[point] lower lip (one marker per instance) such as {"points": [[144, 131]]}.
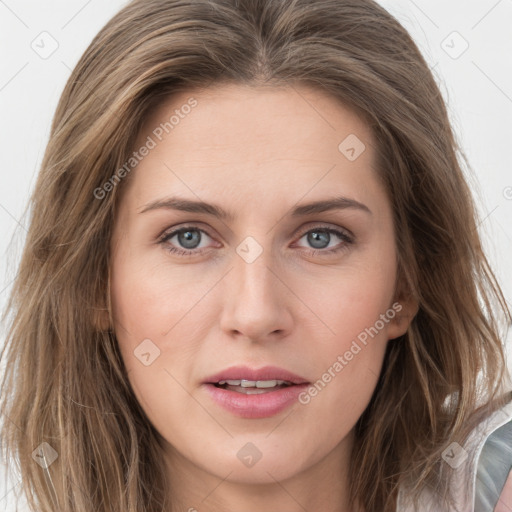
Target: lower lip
{"points": [[263, 405]]}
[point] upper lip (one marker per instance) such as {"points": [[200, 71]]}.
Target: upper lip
{"points": [[255, 374]]}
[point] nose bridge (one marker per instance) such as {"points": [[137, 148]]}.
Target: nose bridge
{"points": [[252, 273], [254, 279], [253, 304]]}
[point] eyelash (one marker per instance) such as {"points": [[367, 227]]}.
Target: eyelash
{"points": [[347, 241]]}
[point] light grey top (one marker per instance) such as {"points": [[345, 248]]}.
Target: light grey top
{"points": [[481, 468]]}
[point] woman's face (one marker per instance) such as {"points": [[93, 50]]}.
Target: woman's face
{"points": [[294, 283]]}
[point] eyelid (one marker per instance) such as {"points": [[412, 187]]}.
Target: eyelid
{"points": [[193, 224], [301, 232], [343, 233], [172, 232], [326, 227]]}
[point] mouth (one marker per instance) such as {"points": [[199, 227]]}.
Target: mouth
{"points": [[253, 387], [254, 393]]}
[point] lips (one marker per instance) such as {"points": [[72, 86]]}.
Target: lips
{"points": [[266, 373], [255, 393]]}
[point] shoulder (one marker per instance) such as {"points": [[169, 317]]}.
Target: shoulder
{"points": [[480, 467], [494, 465]]}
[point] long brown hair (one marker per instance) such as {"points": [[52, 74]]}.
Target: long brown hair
{"points": [[65, 383]]}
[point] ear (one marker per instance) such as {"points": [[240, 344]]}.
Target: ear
{"points": [[405, 305], [101, 319]]}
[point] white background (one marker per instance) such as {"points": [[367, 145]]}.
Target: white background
{"points": [[477, 86]]}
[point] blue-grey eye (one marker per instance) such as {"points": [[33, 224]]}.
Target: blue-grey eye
{"points": [[188, 238], [319, 239]]}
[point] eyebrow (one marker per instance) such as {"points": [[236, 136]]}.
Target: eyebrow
{"points": [[192, 206]]}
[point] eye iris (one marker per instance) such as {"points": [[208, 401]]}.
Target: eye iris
{"points": [[189, 237], [315, 236]]}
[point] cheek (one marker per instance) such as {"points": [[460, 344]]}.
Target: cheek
{"points": [[153, 335], [152, 300], [358, 310], [354, 300], [155, 317], [347, 372]]}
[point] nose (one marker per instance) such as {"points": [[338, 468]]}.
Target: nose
{"points": [[256, 301]]}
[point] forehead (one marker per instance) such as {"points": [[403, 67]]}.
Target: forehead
{"points": [[233, 113], [250, 142]]}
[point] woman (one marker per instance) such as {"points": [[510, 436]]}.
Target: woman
{"points": [[253, 278]]}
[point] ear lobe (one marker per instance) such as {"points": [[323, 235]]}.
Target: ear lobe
{"points": [[101, 320], [406, 304], [405, 312], [406, 307]]}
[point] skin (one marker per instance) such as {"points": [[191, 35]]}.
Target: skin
{"points": [[505, 502], [256, 152]]}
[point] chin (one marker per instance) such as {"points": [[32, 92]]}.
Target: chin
{"points": [[259, 461]]}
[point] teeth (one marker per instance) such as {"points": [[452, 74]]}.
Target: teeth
{"points": [[254, 383], [266, 383]]}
